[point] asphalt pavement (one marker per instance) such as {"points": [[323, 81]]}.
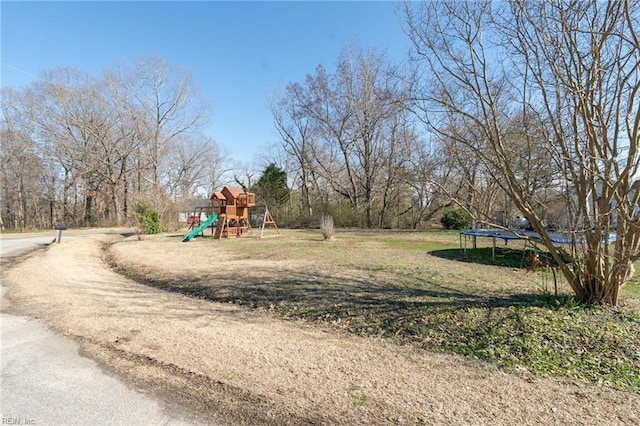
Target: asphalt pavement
{"points": [[45, 381]]}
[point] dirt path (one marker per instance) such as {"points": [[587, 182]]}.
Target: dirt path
{"points": [[241, 367]]}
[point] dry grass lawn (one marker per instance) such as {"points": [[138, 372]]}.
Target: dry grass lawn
{"points": [[239, 365]]}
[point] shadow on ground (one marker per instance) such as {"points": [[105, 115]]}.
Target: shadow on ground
{"points": [[504, 256], [517, 330], [362, 306]]}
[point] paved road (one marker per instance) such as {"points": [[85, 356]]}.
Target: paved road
{"points": [[14, 247], [44, 380]]}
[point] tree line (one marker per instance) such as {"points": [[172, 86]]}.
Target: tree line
{"points": [[90, 150], [353, 147]]}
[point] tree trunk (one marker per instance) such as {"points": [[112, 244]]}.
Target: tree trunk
{"points": [[87, 210]]}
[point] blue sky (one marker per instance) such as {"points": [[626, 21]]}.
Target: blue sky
{"points": [[237, 52]]}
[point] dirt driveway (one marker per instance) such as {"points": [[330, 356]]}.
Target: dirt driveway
{"points": [[243, 367]]}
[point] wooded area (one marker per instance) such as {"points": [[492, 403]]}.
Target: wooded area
{"points": [[89, 151]]}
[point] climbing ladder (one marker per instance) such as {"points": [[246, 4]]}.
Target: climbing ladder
{"points": [[221, 227]]}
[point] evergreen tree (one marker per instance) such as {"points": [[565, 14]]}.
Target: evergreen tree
{"points": [[272, 187]]}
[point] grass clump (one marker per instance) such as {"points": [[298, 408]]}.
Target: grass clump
{"points": [[360, 400], [327, 227]]}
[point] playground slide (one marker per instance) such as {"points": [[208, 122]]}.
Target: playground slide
{"points": [[204, 225]]}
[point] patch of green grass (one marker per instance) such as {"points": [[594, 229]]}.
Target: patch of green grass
{"points": [[502, 256], [360, 400], [544, 337], [591, 344], [632, 287], [417, 245]]}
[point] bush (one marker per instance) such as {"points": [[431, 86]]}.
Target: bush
{"points": [[149, 220], [456, 219]]}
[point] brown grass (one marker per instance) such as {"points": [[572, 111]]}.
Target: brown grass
{"points": [[419, 289], [250, 367], [355, 259]]}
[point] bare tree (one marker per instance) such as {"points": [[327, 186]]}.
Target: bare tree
{"points": [[345, 129], [572, 69], [323, 102], [399, 141], [368, 82], [296, 130], [69, 112], [22, 165], [108, 141], [432, 183], [167, 106], [190, 164]]}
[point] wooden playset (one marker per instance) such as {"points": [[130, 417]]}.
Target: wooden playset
{"points": [[232, 205], [228, 215]]}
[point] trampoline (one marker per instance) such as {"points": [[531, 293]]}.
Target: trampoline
{"points": [[529, 237], [504, 234]]}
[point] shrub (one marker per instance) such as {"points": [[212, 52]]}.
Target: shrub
{"points": [[149, 220], [456, 219]]}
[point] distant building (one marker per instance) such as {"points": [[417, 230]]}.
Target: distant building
{"points": [[195, 207]]}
